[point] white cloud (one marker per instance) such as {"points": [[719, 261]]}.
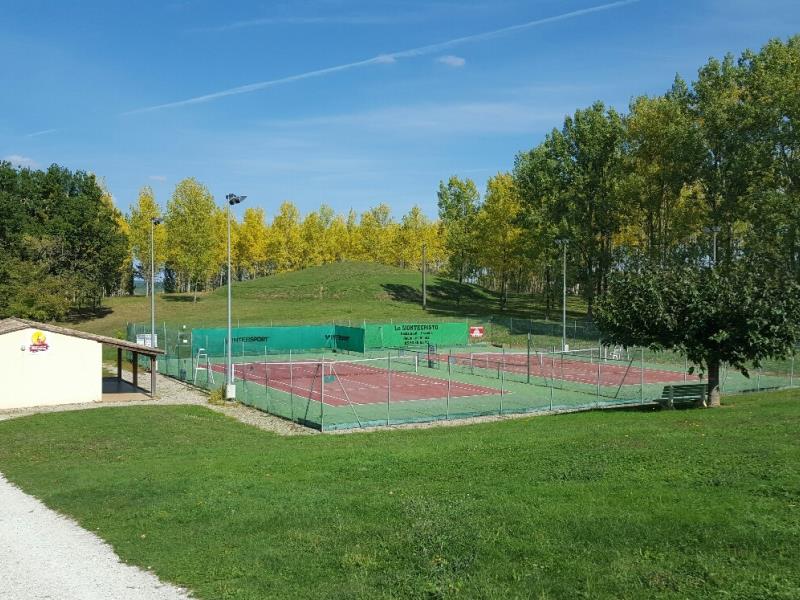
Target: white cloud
{"points": [[42, 132], [385, 59], [382, 58], [157, 177], [451, 61], [330, 20], [21, 161]]}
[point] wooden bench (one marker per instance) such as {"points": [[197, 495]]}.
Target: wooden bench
{"points": [[682, 395]]}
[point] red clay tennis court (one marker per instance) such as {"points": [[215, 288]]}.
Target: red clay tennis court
{"points": [[578, 367], [353, 382]]}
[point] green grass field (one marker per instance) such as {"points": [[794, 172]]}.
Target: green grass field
{"points": [[339, 292], [674, 504]]}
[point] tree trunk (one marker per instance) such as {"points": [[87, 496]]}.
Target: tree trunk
{"points": [[713, 395]]}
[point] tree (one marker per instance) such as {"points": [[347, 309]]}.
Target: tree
{"points": [[458, 203], [586, 156], [314, 248], [411, 234], [536, 180], [190, 233], [251, 243], [139, 223], [729, 157], [735, 315], [664, 156], [376, 232], [284, 244], [773, 108], [61, 242], [499, 234]]}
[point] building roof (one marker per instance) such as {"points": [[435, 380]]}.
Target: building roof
{"points": [[14, 324]]}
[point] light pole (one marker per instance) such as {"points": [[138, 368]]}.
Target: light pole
{"points": [[153, 222], [424, 278], [230, 387], [715, 231], [563, 243]]}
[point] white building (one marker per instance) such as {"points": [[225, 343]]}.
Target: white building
{"points": [[43, 364]]}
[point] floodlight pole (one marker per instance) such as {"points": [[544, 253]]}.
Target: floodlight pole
{"points": [[715, 231], [563, 243], [153, 222], [424, 278], [230, 387]]}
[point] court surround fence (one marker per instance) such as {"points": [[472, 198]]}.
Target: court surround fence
{"points": [[332, 388]]}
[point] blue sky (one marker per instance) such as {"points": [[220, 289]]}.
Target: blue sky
{"points": [[147, 93]]}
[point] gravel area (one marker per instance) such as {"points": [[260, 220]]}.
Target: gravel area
{"points": [[46, 555], [170, 393]]}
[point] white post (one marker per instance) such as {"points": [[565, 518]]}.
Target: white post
{"points": [[322, 396], [389, 386], [230, 390]]}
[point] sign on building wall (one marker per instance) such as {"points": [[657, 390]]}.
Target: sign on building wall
{"points": [[38, 342]]}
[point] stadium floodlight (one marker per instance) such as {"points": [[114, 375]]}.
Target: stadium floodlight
{"points": [[153, 222], [563, 243], [230, 387]]}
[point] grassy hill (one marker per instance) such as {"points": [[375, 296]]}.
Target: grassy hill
{"points": [[341, 292], [672, 504]]}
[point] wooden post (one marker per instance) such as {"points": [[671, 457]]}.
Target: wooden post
{"points": [[119, 365], [136, 369], [153, 370]]}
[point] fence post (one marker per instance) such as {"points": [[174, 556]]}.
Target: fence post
{"points": [[266, 381], [528, 358], [641, 376], [389, 386], [291, 386], [552, 377], [502, 385], [685, 368], [791, 372], [322, 395], [449, 380], [599, 363]]}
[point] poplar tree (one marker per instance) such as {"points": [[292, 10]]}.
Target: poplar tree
{"points": [[190, 231]]}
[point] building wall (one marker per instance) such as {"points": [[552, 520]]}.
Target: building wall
{"points": [[57, 370]]}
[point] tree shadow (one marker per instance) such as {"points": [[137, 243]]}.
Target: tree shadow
{"points": [[179, 298], [403, 293], [447, 298], [78, 315]]}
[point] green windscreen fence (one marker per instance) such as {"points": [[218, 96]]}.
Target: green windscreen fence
{"points": [[349, 338], [261, 340], [415, 335]]}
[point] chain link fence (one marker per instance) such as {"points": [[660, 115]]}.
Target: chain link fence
{"points": [[517, 367]]}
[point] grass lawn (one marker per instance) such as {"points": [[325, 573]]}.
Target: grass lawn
{"points": [[681, 504], [336, 292]]}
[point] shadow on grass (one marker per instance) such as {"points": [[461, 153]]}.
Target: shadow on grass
{"points": [[180, 298], [79, 315]]}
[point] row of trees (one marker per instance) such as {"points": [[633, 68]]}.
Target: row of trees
{"points": [[702, 172], [63, 244], [191, 246]]}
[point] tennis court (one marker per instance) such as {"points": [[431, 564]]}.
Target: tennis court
{"points": [[359, 382], [582, 366]]}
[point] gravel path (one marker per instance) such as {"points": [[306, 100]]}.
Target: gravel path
{"points": [[46, 555]]}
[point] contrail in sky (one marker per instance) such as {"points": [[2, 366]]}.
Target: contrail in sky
{"points": [[383, 58]]}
